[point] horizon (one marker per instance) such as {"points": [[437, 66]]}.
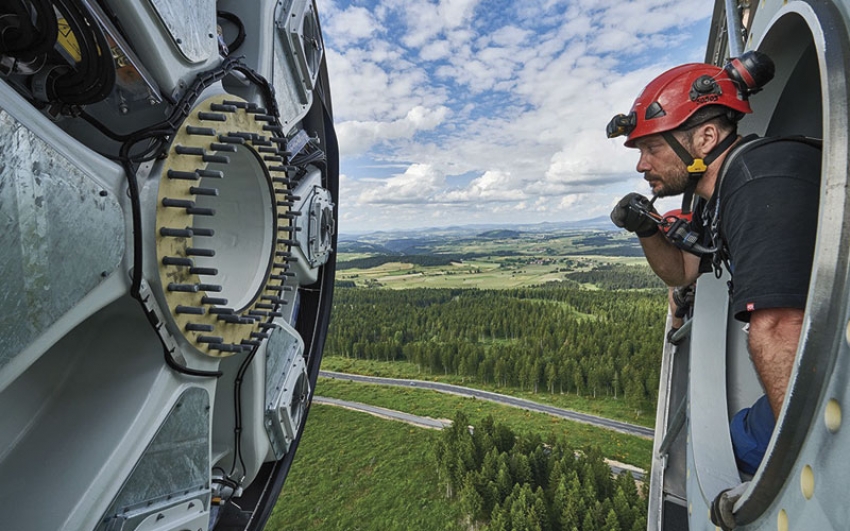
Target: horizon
{"points": [[485, 225]]}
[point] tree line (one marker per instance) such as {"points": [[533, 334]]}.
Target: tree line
{"points": [[618, 277], [506, 482], [551, 339]]}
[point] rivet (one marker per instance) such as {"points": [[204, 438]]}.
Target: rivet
{"points": [[832, 415], [807, 482]]}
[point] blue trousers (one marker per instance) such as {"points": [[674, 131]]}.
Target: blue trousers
{"points": [[751, 429]]}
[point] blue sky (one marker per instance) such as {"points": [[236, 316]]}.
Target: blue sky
{"points": [[474, 111]]}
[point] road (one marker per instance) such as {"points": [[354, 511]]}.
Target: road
{"points": [[438, 424], [622, 427]]}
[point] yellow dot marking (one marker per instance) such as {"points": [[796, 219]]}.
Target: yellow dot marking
{"points": [[832, 415], [847, 332], [690, 508], [807, 482], [782, 521]]}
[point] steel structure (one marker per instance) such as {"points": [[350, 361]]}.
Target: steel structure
{"points": [[168, 206]]}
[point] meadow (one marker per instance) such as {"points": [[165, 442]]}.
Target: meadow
{"points": [[354, 471]]}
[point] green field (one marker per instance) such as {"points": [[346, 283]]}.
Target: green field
{"points": [[529, 260], [603, 406], [354, 471], [425, 403], [478, 274]]}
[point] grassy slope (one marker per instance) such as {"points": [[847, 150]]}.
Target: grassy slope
{"points": [[354, 471], [625, 448], [603, 406]]}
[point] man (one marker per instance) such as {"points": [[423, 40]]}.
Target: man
{"points": [[760, 221]]}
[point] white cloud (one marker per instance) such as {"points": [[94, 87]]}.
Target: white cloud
{"points": [[355, 136], [493, 186], [516, 96], [413, 186], [351, 25]]}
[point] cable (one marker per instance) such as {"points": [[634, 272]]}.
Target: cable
{"points": [[28, 40], [237, 405], [92, 78], [236, 21]]}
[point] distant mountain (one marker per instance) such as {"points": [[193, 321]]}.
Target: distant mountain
{"points": [[357, 246], [477, 229], [499, 234]]}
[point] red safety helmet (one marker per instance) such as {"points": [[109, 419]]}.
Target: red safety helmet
{"points": [[674, 96]]}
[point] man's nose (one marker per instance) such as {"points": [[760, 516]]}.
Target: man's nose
{"points": [[642, 165]]}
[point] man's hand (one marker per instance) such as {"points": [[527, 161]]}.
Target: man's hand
{"points": [[683, 298], [632, 219]]}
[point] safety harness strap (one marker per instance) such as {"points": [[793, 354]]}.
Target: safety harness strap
{"points": [[697, 167]]}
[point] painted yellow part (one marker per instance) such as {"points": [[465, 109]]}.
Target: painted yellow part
{"points": [[807, 482], [67, 40], [172, 217], [782, 521], [832, 415], [697, 166]]}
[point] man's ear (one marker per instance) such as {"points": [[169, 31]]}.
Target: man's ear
{"points": [[705, 137]]}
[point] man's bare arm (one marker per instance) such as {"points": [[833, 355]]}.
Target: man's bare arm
{"points": [[774, 334], [672, 265]]}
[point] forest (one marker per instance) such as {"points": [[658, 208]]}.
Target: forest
{"points": [[551, 339], [618, 277], [506, 482]]}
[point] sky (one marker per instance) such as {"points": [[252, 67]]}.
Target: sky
{"points": [[455, 112]]}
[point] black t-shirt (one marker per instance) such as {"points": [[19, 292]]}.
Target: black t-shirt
{"points": [[768, 220]]}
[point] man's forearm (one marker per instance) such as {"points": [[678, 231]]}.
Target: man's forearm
{"points": [[774, 334], [671, 264]]}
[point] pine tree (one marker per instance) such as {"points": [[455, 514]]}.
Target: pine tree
{"points": [[471, 502], [611, 522]]}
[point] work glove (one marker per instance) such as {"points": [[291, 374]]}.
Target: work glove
{"points": [[683, 297], [671, 337], [626, 216]]}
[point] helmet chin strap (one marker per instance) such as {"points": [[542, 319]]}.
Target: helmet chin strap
{"points": [[696, 167]]}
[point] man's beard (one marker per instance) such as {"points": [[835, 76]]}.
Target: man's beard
{"points": [[673, 185]]}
